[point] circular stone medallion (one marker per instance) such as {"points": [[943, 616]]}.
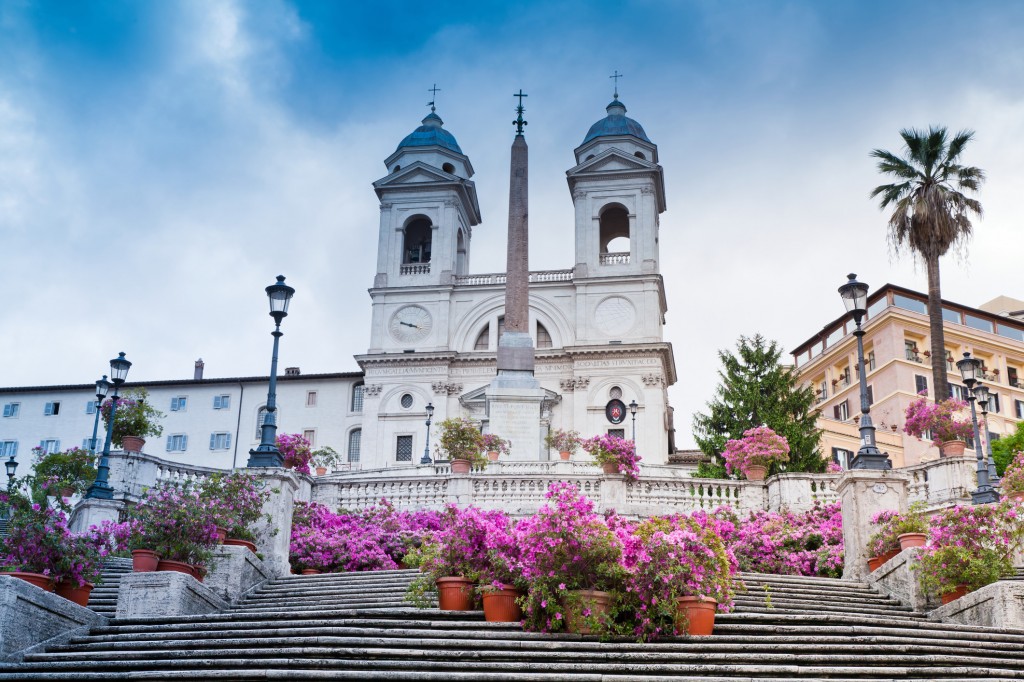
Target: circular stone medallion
{"points": [[615, 316]]}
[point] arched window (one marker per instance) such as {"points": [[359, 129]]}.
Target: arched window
{"points": [[261, 416], [640, 155], [543, 337], [614, 236], [355, 438], [483, 341], [357, 397], [418, 234], [461, 254]]}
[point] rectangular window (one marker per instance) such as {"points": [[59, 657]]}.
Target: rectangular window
{"points": [[842, 457], [871, 395], [957, 391], [357, 398], [11, 410], [1011, 377], [618, 433], [1019, 408], [871, 361], [877, 307], [220, 441], [910, 350], [52, 409], [179, 403], [87, 444], [951, 316], [8, 448], [221, 402], [910, 304], [842, 411], [310, 398], [835, 336], [920, 384], [90, 407], [355, 439], [310, 435], [177, 442], [977, 323], [49, 445], [1010, 332], [993, 403], [403, 449]]}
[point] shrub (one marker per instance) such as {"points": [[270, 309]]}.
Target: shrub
{"points": [[235, 502], [133, 416], [760, 446], [296, 450], [939, 418], [1013, 477], [176, 524], [460, 439], [563, 441], [491, 442], [617, 451], [73, 469]]}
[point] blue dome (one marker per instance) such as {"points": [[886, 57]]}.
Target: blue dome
{"points": [[616, 123], [431, 133]]}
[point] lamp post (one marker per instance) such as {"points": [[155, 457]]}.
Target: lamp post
{"points": [[102, 387], [266, 453], [425, 459], [855, 297], [969, 368], [632, 411], [100, 489], [12, 467], [981, 393]]}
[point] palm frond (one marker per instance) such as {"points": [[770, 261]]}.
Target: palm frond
{"points": [[957, 144]]}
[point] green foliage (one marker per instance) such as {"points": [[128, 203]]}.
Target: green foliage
{"points": [[460, 439], [756, 390], [133, 416], [1003, 448], [710, 470], [73, 469]]}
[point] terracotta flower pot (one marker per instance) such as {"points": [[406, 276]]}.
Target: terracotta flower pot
{"points": [[960, 591], [144, 560], [455, 594], [874, 563], [461, 466], [492, 455], [1016, 495], [43, 582], [696, 615], [235, 542], [310, 571], [756, 472], [611, 468], [133, 443], [500, 605], [320, 471], [75, 593], [952, 448], [577, 605], [67, 492], [199, 572], [222, 534], [892, 553], [172, 565], [564, 454], [908, 540]]}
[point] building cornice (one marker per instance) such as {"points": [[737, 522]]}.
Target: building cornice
{"points": [[187, 382]]}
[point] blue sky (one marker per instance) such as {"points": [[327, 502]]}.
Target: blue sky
{"points": [[160, 162]]}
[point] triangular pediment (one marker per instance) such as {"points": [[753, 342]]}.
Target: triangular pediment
{"points": [[416, 173], [611, 161]]}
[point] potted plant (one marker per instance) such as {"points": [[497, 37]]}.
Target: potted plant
{"points": [[134, 419], [461, 442], [755, 452], [1012, 483], [235, 502], [494, 445], [681, 574], [615, 455], [502, 584], [324, 458], [884, 543], [571, 564], [79, 569], [565, 442], [949, 434], [180, 527], [36, 543], [69, 472], [296, 450], [911, 529]]}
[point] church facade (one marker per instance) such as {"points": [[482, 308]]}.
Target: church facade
{"points": [[596, 326]]}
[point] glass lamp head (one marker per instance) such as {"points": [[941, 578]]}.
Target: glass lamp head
{"points": [[102, 388], [12, 466], [969, 369], [855, 296], [430, 410], [981, 395], [280, 295], [119, 369], [632, 407]]}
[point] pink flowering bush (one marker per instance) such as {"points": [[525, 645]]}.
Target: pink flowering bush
{"points": [[176, 523], [759, 446], [971, 546], [1013, 478], [296, 450], [617, 451], [939, 418], [235, 502], [788, 543], [491, 442]]}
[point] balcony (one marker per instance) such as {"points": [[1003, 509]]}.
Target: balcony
{"points": [[618, 258], [415, 269], [1016, 383], [914, 356]]}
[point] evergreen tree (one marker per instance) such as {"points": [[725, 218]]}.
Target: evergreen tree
{"points": [[757, 390]]}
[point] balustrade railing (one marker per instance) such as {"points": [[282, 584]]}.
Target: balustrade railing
{"points": [[617, 258], [500, 277], [415, 269]]}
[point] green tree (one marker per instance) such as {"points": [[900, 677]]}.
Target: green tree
{"points": [[930, 214], [1004, 448], [755, 390]]}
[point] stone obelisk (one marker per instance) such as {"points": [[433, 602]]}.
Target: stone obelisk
{"points": [[514, 396]]}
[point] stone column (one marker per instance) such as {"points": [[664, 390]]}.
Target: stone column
{"points": [[92, 512], [863, 493], [273, 536]]}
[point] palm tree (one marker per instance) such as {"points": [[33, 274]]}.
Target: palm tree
{"points": [[930, 214]]}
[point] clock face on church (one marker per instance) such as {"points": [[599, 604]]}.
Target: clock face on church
{"points": [[411, 323]]}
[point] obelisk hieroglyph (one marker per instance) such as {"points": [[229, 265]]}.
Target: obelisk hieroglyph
{"points": [[514, 396]]}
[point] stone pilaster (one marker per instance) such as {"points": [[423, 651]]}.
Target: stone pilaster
{"points": [[92, 512], [863, 493], [273, 536]]}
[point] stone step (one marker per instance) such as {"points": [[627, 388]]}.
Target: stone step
{"points": [[878, 613], [813, 602], [313, 607], [808, 590], [319, 594]]}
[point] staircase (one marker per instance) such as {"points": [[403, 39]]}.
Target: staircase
{"points": [[356, 627], [103, 599]]}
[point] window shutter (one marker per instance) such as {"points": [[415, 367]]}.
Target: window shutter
{"points": [[871, 395], [227, 440], [184, 442], [170, 441], [835, 411], [213, 440]]}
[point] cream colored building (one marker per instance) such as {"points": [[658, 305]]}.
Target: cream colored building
{"points": [[899, 367]]}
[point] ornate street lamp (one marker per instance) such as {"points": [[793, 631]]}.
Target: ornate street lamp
{"points": [[12, 466], [969, 368], [855, 297], [102, 387], [982, 395], [632, 411], [100, 489], [425, 459], [267, 454]]}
